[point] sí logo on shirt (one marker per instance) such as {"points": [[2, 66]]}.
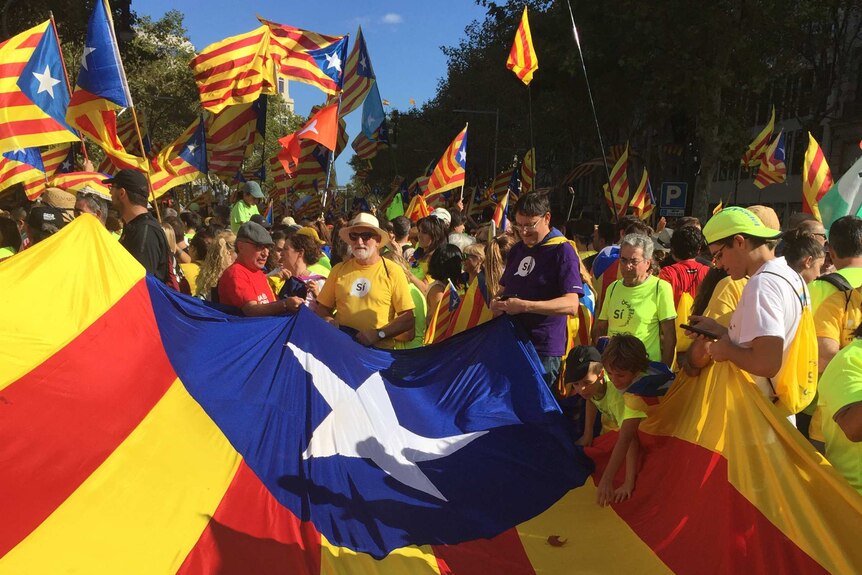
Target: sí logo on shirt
{"points": [[262, 298], [360, 287], [526, 266]]}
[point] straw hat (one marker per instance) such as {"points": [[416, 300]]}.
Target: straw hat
{"points": [[366, 221]]}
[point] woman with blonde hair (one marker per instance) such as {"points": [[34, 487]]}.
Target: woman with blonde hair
{"points": [[220, 256], [495, 262]]}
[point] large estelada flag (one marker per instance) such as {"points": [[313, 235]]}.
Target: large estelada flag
{"points": [[33, 91], [450, 170], [145, 431]]}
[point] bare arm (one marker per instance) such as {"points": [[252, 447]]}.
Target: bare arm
{"points": [[628, 433], [849, 420], [288, 305], [433, 297], [589, 423], [667, 340], [405, 322], [826, 350], [624, 491], [600, 330], [763, 358]]}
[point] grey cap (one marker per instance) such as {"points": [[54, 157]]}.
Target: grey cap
{"points": [[252, 188], [255, 233]]}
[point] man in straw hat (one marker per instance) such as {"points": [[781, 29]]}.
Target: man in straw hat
{"points": [[370, 297]]}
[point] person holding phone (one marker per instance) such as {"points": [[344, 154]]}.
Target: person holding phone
{"points": [[541, 282]]}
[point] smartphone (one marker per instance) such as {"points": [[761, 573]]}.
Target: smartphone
{"points": [[699, 331], [504, 297]]}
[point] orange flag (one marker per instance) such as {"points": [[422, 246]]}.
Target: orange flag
{"points": [[322, 127]]}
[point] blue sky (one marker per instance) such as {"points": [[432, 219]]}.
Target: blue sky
{"points": [[403, 39]]}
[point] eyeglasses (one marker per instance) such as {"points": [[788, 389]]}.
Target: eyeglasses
{"points": [[716, 257], [630, 262], [527, 227], [257, 246], [355, 236]]}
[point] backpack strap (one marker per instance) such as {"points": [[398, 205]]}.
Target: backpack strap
{"points": [[840, 283], [804, 291]]}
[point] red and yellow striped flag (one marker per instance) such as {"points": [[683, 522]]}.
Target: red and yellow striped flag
{"points": [[642, 203], [528, 171], [358, 76], [293, 52], [54, 158], [718, 207], [816, 178], [620, 183], [417, 208], [234, 71], [74, 182], [758, 146], [449, 171], [443, 315], [522, 57], [30, 93]]}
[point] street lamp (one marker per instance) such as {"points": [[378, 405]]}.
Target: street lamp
{"points": [[496, 114]]}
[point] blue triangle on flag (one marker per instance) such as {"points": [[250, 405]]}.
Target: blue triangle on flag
{"points": [[195, 149], [30, 156], [331, 60], [43, 81], [101, 71], [363, 66], [68, 163]]}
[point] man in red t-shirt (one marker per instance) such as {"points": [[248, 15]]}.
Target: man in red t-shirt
{"points": [[244, 284], [684, 276]]}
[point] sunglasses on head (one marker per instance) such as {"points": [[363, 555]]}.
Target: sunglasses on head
{"points": [[364, 235]]}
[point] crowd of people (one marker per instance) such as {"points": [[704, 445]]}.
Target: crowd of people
{"points": [[604, 304]]}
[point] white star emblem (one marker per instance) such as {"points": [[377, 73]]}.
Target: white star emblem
{"points": [[370, 119], [364, 424], [362, 64], [312, 127], [462, 155], [191, 148], [46, 81], [87, 52], [66, 165], [333, 61]]}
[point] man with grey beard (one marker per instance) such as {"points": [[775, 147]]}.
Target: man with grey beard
{"points": [[364, 295]]}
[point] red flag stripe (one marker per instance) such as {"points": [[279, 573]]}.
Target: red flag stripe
{"points": [[28, 127], [226, 49], [525, 49], [62, 428], [501, 554]]}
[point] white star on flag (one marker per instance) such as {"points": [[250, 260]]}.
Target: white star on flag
{"points": [[191, 148], [312, 127], [333, 61], [363, 423], [462, 155], [362, 64], [87, 52], [46, 81], [66, 165]]}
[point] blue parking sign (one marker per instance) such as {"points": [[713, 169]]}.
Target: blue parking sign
{"points": [[673, 195]]}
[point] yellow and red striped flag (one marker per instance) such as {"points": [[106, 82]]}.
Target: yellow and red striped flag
{"points": [[522, 57], [501, 213], [772, 169], [235, 70], [758, 146], [358, 76], [74, 182], [308, 57], [449, 171], [642, 202], [816, 178], [58, 159], [365, 147], [528, 171], [417, 208], [619, 188], [33, 91], [183, 161], [442, 319], [718, 207], [20, 167]]}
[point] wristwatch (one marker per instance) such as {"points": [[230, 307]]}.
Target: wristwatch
{"points": [[381, 334]]}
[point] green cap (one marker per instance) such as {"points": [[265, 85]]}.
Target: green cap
{"points": [[735, 220]]}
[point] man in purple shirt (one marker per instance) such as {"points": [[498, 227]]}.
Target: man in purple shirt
{"points": [[542, 282]]}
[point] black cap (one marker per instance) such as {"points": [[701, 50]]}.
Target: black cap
{"points": [[255, 233], [132, 181], [259, 219], [45, 219], [579, 360]]}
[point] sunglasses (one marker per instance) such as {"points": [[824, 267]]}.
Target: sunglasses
{"points": [[354, 236]]}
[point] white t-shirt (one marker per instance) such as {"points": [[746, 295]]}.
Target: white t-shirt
{"points": [[769, 306]]}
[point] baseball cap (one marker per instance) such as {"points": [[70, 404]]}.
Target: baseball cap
{"points": [[130, 180], [45, 219], [579, 360], [252, 188], [735, 220], [255, 233], [312, 233], [259, 219]]}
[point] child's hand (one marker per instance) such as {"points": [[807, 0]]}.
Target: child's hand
{"points": [[623, 492], [585, 440], [605, 493]]}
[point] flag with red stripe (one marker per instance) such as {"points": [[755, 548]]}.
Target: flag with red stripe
{"points": [[75, 182], [444, 314], [450, 169], [528, 171], [816, 178], [522, 58], [20, 166], [619, 188], [642, 201], [358, 76], [772, 169], [757, 147]]}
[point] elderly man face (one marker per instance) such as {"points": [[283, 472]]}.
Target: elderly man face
{"points": [[363, 244], [251, 254], [816, 229]]}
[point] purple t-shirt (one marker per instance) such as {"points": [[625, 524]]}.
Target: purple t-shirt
{"points": [[542, 273]]}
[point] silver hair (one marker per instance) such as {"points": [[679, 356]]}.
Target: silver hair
{"points": [[95, 203], [639, 241]]}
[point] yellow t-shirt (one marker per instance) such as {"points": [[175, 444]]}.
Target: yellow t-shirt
{"points": [[832, 322], [638, 310], [840, 386], [612, 407], [724, 300], [191, 271], [367, 297]]}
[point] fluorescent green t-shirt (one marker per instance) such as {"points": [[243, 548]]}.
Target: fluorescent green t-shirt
{"points": [[638, 310], [840, 386], [820, 290], [419, 312], [612, 407], [240, 213]]}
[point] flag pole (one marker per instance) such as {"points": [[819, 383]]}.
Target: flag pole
{"points": [[592, 102], [65, 77], [134, 112]]}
